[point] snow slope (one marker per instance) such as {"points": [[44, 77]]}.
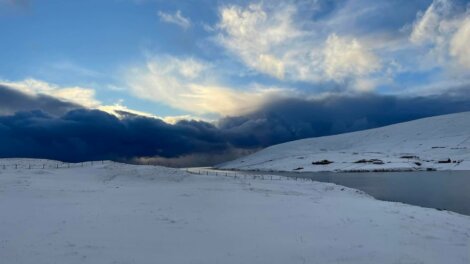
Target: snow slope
{"points": [[424, 144], [116, 213]]}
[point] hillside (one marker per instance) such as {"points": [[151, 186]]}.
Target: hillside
{"points": [[435, 143]]}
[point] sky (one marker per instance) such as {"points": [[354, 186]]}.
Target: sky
{"points": [[229, 77]]}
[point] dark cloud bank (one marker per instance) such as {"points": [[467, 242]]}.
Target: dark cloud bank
{"points": [[44, 127], [12, 101]]}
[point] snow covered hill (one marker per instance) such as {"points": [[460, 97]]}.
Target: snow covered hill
{"points": [[435, 143], [117, 213]]}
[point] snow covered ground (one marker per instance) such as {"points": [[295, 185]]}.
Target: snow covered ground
{"points": [[435, 143], [116, 213]]}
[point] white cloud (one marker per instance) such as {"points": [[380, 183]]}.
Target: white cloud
{"points": [[177, 18], [445, 27], [257, 36], [189, 68], [344, 58], [176, 119], [267, 39], [74, 94], [460, 44], [365, 85], [119, 110], [186, 84], [431, 23]]}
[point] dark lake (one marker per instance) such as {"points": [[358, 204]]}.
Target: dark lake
{"points": [[447, 190]]}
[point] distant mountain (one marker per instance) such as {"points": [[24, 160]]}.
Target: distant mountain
{"points": [[435, 143]]}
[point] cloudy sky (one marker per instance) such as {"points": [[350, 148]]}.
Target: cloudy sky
{"points": [[238, 75]]}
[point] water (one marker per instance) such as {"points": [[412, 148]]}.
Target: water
{"points": [[447, 190]]}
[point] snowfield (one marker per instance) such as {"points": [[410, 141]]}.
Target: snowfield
{"points": [[116, 213], [435, 143]]}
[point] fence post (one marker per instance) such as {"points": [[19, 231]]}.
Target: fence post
{"points": [[16, 166], [43, 166]]}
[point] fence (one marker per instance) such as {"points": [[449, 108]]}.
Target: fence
{"points": [[234, 174], [247, 175], [58, 165]]}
